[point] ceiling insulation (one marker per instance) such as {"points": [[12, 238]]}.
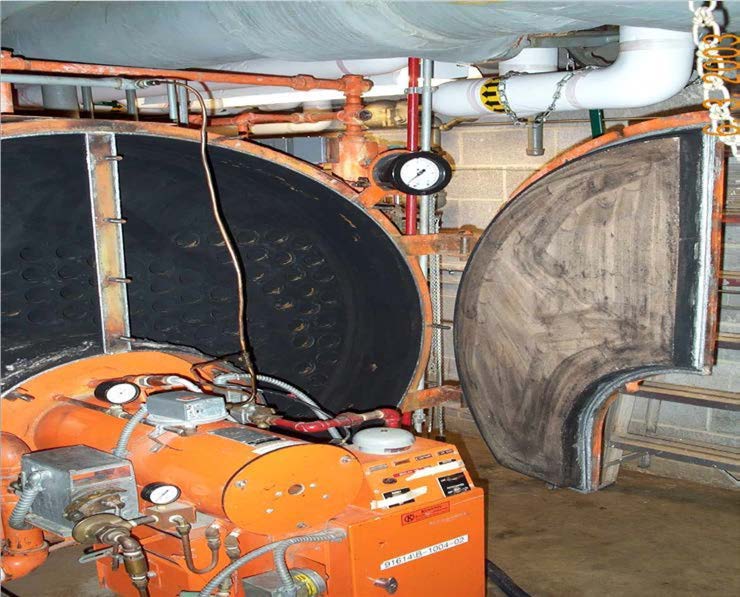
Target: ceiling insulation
{"points": [[190, 34]]}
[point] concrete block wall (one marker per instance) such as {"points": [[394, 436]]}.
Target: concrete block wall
{"points": [[490, 162]]}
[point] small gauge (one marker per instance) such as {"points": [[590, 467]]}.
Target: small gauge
{"points": [[415, 173], [160, 494], [117, 392]]}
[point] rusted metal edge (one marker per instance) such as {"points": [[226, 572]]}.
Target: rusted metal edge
{"points": [[431, 397], [105, 203], [455, 242]]}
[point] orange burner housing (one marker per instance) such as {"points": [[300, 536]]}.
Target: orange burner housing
{"points": [[257, 493]]}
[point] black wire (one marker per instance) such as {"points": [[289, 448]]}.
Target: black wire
{"points": [[503, 581]]}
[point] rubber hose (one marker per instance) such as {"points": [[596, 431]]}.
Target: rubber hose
{"points": [[34, 486], [335, 535], [503, 581], [121, 448]]}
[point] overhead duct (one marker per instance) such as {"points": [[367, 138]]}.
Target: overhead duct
{"points": [[652, 66], [199, 34]]}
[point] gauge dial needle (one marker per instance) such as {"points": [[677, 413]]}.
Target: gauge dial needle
{"points": [[418, 174]]}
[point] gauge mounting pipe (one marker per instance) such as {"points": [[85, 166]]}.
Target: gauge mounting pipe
{"points": [[412, 135]]}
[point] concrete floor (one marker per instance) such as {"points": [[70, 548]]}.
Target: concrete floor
{"points": [[644, 536]]}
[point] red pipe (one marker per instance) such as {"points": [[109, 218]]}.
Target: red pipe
{"points": [[391, 417], [412, 135]]}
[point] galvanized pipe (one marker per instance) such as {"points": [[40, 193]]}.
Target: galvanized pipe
{"points": [[183, 105], [172, 101], [88, 106], [535, 145], [425, 201], [131, 108], [49, 80]]}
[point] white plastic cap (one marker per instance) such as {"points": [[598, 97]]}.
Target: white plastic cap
{"points": [[383, 440]]}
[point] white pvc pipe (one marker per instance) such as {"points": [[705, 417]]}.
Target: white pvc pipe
{"points": [[652, 66]]}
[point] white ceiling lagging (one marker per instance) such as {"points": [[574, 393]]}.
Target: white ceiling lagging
{"points": [[193, 34]]}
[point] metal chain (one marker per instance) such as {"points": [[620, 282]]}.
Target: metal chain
{"points": [[717, 98], [543, 116]]}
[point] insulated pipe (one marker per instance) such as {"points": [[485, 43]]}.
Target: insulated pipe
{"points": [[328, 69], [652, 66], [412, 136], [61, 99], [531, 60]]}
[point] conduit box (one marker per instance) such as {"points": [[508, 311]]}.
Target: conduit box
{"points": [[185, 408], [80, 481]]}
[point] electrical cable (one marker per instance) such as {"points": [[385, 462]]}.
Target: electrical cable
{"points": [[223, 229], [34, 486], [503, 581], [121, 448]]}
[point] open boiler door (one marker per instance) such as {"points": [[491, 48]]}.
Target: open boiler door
{"points": [[599, 271]]}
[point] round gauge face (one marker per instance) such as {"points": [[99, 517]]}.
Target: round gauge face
{"points": [[160, 494], [117, 392], [420, 173]]}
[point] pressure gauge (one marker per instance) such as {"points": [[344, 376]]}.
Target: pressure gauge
{"points": [[160, 494], [117, 392], [414, 173]]}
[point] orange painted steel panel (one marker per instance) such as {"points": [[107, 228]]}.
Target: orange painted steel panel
{"points": [[423, 544], [209, 468]]}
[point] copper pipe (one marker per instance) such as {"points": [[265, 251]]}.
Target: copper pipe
{"points": [[412, 136], [8, 62], [246, 119], [6, 98]]}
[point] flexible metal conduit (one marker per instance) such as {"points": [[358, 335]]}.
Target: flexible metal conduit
{"points": [[34, 486], [284, 385], [121, 447], [334, 535]]}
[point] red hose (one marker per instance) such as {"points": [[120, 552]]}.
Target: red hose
{"points": [[391, 417], [412, 135]]}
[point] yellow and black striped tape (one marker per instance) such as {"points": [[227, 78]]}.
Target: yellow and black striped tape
{"points": [[490, 97]]}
